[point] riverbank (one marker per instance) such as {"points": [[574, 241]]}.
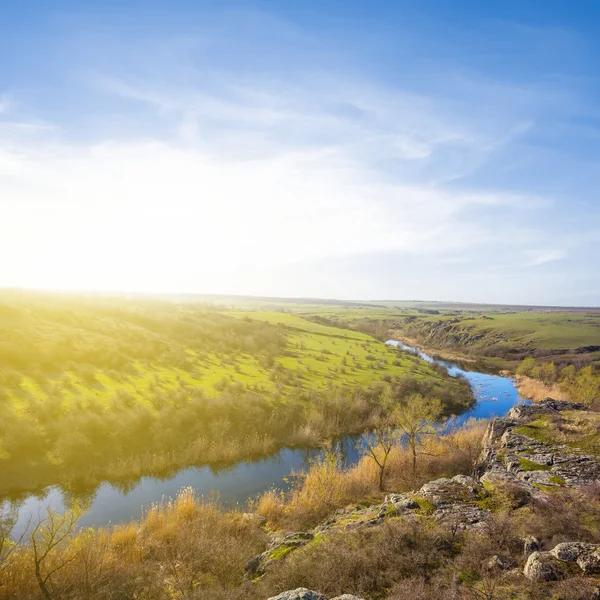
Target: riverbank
{"points": [[494, 396], [536, 390], [437, 352], [526, 526]]}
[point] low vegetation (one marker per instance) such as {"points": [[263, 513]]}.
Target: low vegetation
{"points": [[111, 388], [328, 486], [541, 380], [193, 549]]}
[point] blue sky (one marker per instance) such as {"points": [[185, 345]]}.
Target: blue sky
{"points": [[367, 150]]}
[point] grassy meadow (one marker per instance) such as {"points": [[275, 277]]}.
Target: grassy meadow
{"points": [[501, 335], [96, 388]]}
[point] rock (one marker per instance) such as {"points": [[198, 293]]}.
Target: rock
{"points": [[460, 516], [447, 491], [279, 547], [571, 551], [475, 486], [590, 563], [596, 594], [254, 564], [393, 498], [405, 504], [496, 563], [587, 556], [346, 597], [543, 566], [530, 544], [299, 594]]}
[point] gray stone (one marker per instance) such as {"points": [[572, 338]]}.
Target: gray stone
{"points": [[543, 566], [299, 594], [530, 544], [587, 556], [590, 563], [448, 491], [496, 563], [405, 504], [346, 597], [571, 551]]}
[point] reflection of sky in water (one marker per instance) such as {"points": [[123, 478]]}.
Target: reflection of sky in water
{"points": [[495, 396]]}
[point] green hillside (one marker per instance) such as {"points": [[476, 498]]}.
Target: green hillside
{"points": [[96, 388]]}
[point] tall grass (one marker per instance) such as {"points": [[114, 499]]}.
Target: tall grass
{"points": [[179, 548], [537, 390], [328, 486]]}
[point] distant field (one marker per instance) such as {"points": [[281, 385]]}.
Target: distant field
{"points": [[507, 335], [494, 331], [533, 330]]}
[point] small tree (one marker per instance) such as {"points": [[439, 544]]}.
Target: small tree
{"points": [[527, 367], [46, 539], [378, 446], [415, 420]]}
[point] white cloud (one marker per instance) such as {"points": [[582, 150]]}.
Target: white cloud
{"points": [[251, 178], [541, 257]]}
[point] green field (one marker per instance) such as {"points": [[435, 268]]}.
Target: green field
{"points": [[96, 388], [491, 332]]}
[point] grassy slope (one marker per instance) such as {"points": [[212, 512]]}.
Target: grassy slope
{"points": [[45, 351], [498, 332], [322, 355], [95, 388]]}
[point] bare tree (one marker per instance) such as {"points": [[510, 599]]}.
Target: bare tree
{"points": [[46, 538], [378, 446], [415, 420]]}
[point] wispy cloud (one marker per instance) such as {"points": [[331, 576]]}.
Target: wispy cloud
{"points": [[541, 257]]}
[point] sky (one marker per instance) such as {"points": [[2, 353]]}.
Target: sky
{"points": [[354, 150]]}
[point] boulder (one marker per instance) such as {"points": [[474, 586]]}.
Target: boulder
{"points": [[543, 566], [448, 491], [587, 556], [496, 563], [299, 594], [571, 551], [530, 544], [346, 597], [405, 504]]}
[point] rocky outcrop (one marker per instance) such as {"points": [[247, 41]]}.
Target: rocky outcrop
{"points": [[305, 594], [587, 556], [509, 458], [543, 566], [559, 562], [299, 594], [280, 546], [531, 463]]}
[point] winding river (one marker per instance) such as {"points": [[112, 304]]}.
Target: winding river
{"points": [[495, 396]]}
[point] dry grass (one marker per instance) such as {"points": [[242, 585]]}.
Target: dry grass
{"points": [[180, 549], [188, 549], [326, 486], [537, 390]]}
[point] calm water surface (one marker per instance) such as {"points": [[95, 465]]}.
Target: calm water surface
{"points": [[495, 396]]}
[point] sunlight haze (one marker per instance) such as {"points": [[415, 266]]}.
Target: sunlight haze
{"points": [[245, 149]]}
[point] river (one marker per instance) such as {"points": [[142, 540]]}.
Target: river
{"points": [[495, 396]]}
